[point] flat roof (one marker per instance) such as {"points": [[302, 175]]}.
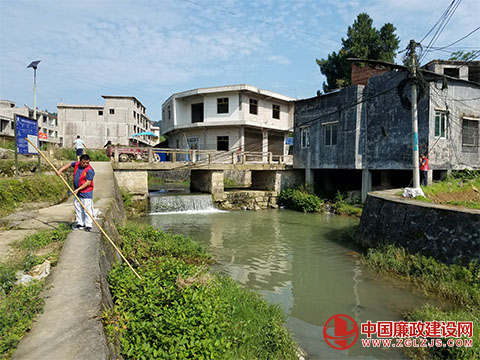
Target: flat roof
{"points": [[228, 88], [122, 97]]}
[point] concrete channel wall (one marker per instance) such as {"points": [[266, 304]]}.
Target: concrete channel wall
{"points": [[77, 291], [450, 235]]}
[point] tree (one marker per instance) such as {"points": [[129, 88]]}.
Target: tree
{"points": [[462, 55], [363, 41]]}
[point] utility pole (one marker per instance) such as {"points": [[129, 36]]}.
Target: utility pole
{"points": [[413, 63], [34, 65]]}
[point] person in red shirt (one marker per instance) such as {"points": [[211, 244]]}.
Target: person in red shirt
{"points": [[83, 175], [424, 170]]}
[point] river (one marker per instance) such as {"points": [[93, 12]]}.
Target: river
{"points": [[305, 263]]}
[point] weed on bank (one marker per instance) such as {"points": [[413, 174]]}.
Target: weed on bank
{"points": [[16, 192], [19, 304], [458, 284], [180, 310]]}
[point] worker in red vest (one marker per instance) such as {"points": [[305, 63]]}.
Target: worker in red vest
{"points": [[83, 175], [424, 170]]}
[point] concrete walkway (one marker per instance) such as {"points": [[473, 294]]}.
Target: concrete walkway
{"points": [[70, 326]]}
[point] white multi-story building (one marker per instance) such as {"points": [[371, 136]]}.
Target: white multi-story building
{"points": [[235, 117], [48, 125], [116, 121]]}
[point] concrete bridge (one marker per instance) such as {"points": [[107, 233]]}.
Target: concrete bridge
{"points": [[268, 172]]}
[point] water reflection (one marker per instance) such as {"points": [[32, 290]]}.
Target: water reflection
{"points": [[305, 263]]}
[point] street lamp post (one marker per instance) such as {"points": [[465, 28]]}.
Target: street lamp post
{"points": [[34, 65]]}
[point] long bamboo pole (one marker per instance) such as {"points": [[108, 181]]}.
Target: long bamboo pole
{"points": [[86, 210]]}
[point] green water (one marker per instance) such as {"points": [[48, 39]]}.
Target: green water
{"points": [[306, 264]]}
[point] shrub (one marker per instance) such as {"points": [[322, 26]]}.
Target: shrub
{"points": [[299, 200], [70, 154]]}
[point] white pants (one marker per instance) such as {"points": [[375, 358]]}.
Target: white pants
{"points": [[82, 218]]}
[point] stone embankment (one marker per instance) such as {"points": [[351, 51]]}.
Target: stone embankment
{"points": [[77, 290], [446, 233], [248, 200]]}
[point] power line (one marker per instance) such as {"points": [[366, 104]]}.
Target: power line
{"points": [[457, 41]]}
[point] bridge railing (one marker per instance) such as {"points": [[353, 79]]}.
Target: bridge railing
{"points": [[198, 156], [212, 156]]}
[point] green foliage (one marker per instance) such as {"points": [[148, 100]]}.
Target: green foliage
{"points": [[470, 204], [7, 144], [457, 183], [230, 183], [44, 237], [13, 192], [432, 313], [179, 311], [463, 55], [454, 282], [143, 242], [7, 167], [17, 310], [466, 174], [363, 41], [155, 180], [70, 154], [7, 279], [300, 200]]}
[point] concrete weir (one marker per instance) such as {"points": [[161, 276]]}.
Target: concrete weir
{"points": [[77, 293]]}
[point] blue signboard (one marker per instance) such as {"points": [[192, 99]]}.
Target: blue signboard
{"points": [[289, 141], [26, 128]]}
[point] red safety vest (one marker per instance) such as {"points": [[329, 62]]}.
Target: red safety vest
{"points": [[424, 167], [82, 177]]}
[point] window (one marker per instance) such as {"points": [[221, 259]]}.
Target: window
{"points": [[331, 134], [222, 143], [112, 111], [305, 137], [222, 106], [100, 112], [197, 112], [276, 111], [470, 135], [254, 106], [169, 114], [440, 123], [454, 72]]}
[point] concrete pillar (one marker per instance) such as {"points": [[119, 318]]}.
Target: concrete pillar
{"points": [[242, 138], [430, 177], [264, 145], [366, 183], [308, 176], [209, 181], [268, 180], [135, 182]]}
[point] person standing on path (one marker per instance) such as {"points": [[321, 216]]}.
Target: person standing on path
{"points": [[79, 145], [83, 175], [424, 170]]}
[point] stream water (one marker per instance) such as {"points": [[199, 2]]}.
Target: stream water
{"points": [[305, 263]]}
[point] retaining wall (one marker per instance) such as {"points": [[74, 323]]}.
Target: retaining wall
{"points": [[450, 235]]}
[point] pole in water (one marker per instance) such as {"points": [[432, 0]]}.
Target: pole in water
{"points": [[88, 212]]}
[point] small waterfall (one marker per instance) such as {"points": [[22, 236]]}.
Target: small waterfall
{"points": [[182, 203]]}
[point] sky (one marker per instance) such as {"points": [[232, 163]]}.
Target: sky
{"points": [[151, 49]]}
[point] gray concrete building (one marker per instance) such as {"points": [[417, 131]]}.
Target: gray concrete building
{"points": [[49, 128], [116, 121], [361, 136]]}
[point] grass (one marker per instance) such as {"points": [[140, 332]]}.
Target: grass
{"points": [[230, 183], [458, 284], [155, 180], [180, 310], [19, 304], [16, 192], [70, 154], [7, 167], [469, 204]]}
